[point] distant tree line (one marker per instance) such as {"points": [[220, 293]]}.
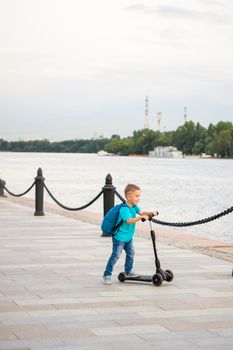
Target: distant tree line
{"points": [[190, 138], [70, 146]]}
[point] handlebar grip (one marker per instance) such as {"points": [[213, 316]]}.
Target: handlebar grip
{"points": [[149, 217]]}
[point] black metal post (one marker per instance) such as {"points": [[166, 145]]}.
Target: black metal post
{"points": [[109, 195], [39, 193], [2, 185]]}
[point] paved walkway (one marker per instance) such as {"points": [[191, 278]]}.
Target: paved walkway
{"points": [[52, 296]]}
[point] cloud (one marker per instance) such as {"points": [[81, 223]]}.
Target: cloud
{"points": [[177, 11], [183, 12], [136, 7], [211, 2], [14, 53]]}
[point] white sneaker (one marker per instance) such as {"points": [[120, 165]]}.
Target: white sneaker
{"points": [[131, 274], [107, 280]]}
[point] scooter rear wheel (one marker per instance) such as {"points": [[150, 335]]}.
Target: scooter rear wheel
{"points": [[121, 277], [157, 279], [169, 275]]}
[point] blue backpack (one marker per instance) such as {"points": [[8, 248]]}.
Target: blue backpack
{"points": [[109, 224]]}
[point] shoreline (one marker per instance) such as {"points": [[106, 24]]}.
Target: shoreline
{"points": [[215, 248], [189, 157]]}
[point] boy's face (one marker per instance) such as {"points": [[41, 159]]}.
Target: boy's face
{"points": [[133, 197]]}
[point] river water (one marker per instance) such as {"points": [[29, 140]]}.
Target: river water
{"points": [[180, 189]]}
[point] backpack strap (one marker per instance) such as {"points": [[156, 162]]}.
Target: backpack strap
{"points": [[121, 222]]}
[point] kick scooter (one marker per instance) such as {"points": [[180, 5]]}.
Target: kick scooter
{"points": [[160, 275]]}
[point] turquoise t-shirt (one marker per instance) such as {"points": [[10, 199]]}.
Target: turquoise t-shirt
{"points": [[126, 231]]}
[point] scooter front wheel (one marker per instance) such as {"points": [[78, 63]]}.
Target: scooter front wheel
{"points": [[157, 279], [121, 277], [169, 275]]}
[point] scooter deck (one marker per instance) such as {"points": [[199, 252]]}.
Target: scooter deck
{"points": [[143, 278]]}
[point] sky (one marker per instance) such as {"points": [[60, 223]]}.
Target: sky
{"points": [[72, 69]]}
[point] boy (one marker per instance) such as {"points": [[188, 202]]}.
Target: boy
{"points": [[123, 237]]}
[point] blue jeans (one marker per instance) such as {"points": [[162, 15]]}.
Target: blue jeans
{"points": [[117, 248]]}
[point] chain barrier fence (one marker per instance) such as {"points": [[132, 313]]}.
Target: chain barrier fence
{"points": [[193, 223], [183, 224], [108, 191], [21, 194], [72, 209]]}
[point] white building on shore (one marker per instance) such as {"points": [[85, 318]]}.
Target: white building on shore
{"points": [[165, 152]]}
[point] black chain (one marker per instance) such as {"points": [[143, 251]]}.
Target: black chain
{"points": [[73, 209], [21, 194], [192, 223], [119, 196]]}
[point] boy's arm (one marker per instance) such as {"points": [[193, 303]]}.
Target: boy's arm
{"points": [[142, 215], [138, 218], [127, 217]]}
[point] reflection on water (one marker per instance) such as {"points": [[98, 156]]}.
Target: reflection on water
{"points": [[180, 189]]}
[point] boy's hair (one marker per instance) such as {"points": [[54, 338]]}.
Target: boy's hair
{"points": [[131, 188]]}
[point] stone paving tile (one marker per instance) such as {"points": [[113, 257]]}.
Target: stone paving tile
{"points": [[202, 304], [180, 335], [76, 317], [227, 332], [6, 334], [8, 306], [73, 301], [102, 343], [190, 312], [128, 330], [18, 348], [57, 314], [48, 334], [169, 344], [189, 324], [203, 342]]}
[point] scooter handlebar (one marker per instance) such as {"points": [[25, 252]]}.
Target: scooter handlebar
{"points": [[149, 217]]}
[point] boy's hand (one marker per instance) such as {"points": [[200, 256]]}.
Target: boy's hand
{"points": [[154, 213], [144, 217]]}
